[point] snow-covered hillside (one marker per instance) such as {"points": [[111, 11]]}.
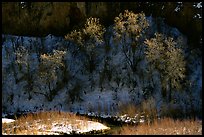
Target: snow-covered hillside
{"points": [[103, 91]]}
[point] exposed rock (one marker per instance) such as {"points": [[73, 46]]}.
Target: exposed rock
{"points": [[57, 18]]}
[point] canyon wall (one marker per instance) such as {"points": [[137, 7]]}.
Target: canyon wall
{"points": [[58, 18]]}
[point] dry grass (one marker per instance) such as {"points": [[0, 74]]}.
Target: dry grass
{"points": [[166, 126], [29, 124], [129, 109], [146, 108]]}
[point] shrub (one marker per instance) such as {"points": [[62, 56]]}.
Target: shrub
{"points": [[164, 55], [48, 71], [87, 39], [129, 109], [129, 28]]}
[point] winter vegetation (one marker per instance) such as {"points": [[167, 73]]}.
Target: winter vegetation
{"points": [[137, 71], [164, 126], [51, 123]]}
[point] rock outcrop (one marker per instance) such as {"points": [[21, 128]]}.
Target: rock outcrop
{"points": [[58, 18]]}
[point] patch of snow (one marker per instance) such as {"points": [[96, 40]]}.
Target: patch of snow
{"points": [[6, 120], [199, 5], [197, 16], [177, 9], [62, 129], [127, 120], [80, 126], [142, 120], [92, 126], [105, 116]]}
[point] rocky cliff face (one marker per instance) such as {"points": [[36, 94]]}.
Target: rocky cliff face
{"points": [[57, 18], [41, 18]]}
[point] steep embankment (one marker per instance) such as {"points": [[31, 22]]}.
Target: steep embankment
{"points": [[57, 18]]}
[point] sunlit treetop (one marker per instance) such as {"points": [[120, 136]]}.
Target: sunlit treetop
{"points": [[130, 24], [91, 33]]}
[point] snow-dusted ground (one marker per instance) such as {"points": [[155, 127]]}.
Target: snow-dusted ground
{"points": [[62, 126], [79, 127]]}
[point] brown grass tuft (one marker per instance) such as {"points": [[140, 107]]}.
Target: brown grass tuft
{"points": [[166, 126], [129, 109]]}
